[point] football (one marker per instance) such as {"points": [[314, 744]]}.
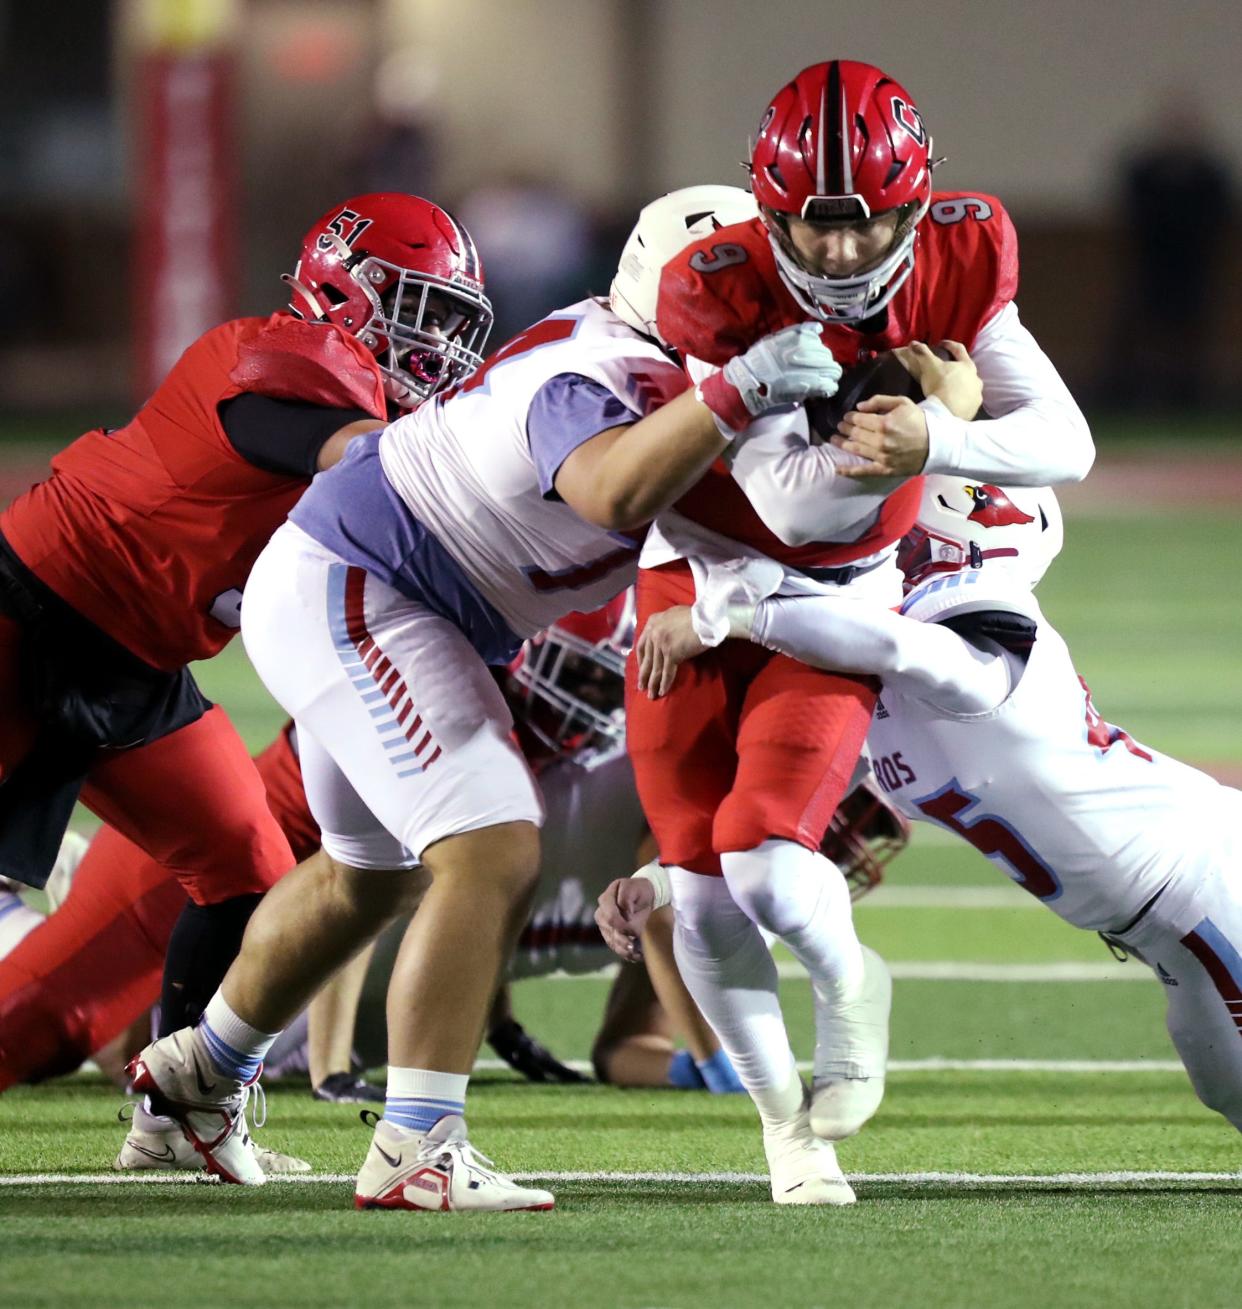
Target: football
{"points": [[884, 374]]}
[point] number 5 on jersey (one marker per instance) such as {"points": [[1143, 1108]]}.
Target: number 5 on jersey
{"points": [[993, 838]]}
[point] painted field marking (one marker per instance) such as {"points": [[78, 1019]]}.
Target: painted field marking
{"points": [[935, 1064], [1085, 1180], [938, 970], [948, 897]]}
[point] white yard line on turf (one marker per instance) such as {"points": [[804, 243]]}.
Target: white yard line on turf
{"points": [[943, 1178], [935, 1064], [948, 897], [949, 971], [939, 970]]}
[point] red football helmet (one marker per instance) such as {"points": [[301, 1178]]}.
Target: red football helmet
{"points": [[404, 277], [866, 834], [839, 145], [571, 681]]}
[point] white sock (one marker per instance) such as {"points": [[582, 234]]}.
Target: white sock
{"points": [[235, 1047], [17, 921], [419, 1097], [730, 972], [802, 898]]}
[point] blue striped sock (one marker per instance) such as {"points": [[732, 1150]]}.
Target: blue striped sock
{"points": [[418, 1097], [231, 1062], [235, 1047]]}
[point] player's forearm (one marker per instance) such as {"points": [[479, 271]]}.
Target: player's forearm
{"points": [[1037, 436], [850, 636], [793, 485], [654, 462]]}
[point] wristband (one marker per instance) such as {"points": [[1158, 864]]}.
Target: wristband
{"points": [[661, 882], [726, 403]]}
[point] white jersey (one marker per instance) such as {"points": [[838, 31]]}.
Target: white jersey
{"points": [[1074, 810], [591, 836], [465, 468]]}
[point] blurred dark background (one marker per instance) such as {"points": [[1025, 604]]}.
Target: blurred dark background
{"points": [[159, 160]]}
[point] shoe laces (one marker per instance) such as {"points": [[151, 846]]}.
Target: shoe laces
{"points": [[254, 1099], [459, 1151]]}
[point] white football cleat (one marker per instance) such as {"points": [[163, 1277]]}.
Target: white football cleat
{"points": [[438, 1169], [804, 1169], [209, 1106], [851, 1055], [159, 1143]]}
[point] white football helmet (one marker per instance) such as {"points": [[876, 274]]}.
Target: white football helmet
{"points": [[570, 693], [963, 522], [664, 229]]}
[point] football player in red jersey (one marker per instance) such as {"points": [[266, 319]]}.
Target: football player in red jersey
{"points": [[741, 767], [129, 562]]}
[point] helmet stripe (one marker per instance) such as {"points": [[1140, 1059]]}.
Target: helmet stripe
{"points": [[833, 104], [470, 254], [847, 168]]}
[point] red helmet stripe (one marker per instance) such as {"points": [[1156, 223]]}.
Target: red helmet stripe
{"points": [[469, 254]]}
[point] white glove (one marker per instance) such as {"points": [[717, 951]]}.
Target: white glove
{"points": [[784, 368]]}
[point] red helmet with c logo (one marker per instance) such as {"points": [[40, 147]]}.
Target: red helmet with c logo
{"points": [[840, 144]]}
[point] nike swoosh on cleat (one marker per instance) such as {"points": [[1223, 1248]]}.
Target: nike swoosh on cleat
{"points": [[393, 1163], [794, 1187], [167, 1156], [205, 1087]]}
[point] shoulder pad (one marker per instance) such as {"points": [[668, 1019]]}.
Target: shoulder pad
{"points": [[975, 233], [289, 359], [714, 299]]}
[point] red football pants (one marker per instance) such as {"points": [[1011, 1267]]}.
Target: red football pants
{"points": [[194, 802], [748, 745], [83, 976], [191, 800]]}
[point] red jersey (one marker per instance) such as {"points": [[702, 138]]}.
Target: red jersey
{"points": [[150, 531], [722, 294]]}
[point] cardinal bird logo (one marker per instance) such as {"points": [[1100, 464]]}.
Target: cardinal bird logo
{"points": [[993, 508]]}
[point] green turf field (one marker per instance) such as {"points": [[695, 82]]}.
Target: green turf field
{"points": [[996, 1173]]}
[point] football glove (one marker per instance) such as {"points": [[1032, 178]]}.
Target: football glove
{"points": [[785, 368]]}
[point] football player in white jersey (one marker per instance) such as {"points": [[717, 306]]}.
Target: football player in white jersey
{"points": [[985, 728], [567, 694], [428, 553]]}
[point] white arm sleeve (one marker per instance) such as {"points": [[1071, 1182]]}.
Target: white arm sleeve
{"points": [[1037, 435], [924, 660], [793, 485]]}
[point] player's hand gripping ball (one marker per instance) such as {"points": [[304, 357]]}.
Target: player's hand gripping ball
{"points": [[875, 414]]}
